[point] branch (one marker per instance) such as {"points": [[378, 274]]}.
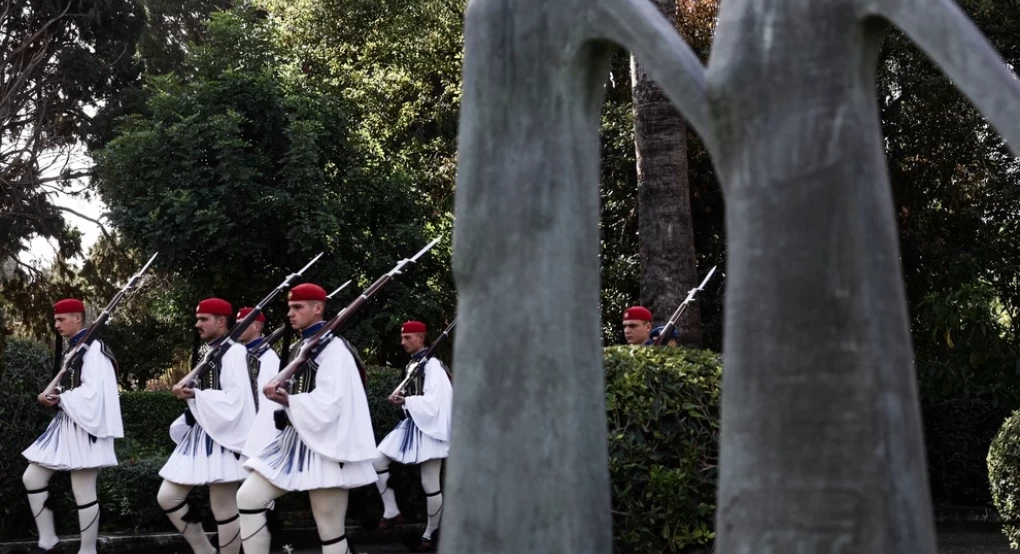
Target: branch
{"points": [[96, 221]]}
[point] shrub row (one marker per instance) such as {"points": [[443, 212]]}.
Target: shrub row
{"points": [[662, 408]]}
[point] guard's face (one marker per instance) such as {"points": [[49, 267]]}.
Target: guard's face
{"points": [[252, 332], [67, 325], [636, 331], [412, 342], [210, 326], [303, 314]]}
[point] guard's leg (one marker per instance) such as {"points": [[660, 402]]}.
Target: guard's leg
{"points": [[390, 510], [329, 506], [83, 485], [253, 499], [433, 495], [223, 498], [173, 498], [36, 480]]}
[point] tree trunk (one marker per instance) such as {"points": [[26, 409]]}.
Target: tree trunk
{"points": [[666, 232], [821, 437]]}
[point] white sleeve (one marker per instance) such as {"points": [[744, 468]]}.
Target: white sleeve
{"points": [[227, 414], [431, 410], [95, 405], [333, 419]]}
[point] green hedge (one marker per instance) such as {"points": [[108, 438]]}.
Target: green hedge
{"points": [[663, 415], [1004, 476], [663, 433]]}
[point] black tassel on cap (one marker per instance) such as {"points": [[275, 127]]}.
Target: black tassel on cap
{"points": [[194, 346], [58, 352], [285, 349]]}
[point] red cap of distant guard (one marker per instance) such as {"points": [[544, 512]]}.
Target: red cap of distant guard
{"points": [[413, 327], [246, 310], [307, 291], [69, 306], [214, 306], [639, 313]]}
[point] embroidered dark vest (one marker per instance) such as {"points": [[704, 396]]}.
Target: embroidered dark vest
{"points": [[254, 359], [211, 379], [306, 381], [73, 378]]}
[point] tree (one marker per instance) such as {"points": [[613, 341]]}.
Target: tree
{"points": [[58, 58], [668, 263]]}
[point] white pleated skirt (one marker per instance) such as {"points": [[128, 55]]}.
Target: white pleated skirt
{"points": [[199, 460], [65, 446], [288, 463], [408, 445]]}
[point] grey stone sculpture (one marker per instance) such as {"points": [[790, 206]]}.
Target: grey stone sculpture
{"points": [[821, 437]]}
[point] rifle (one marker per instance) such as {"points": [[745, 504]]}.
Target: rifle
{"points": [[313, 345], [411, 375], [667, 330], [216, 352], [78, 351], [275, 335]]}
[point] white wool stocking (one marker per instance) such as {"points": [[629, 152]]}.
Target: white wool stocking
{"points": [[329, 506], [173, 499], [83, 485], [223, 498], [253, 499], [382, 470], [36, 479], [433, 494]]}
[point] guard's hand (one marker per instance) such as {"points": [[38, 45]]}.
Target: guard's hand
{"points": [[270, 388], [49, 401], [396, 400], [183, 392], [279, 396]]}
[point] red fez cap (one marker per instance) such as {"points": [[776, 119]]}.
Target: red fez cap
{"points": [[639, 313], [246, 311], [413, 327], [215, 306], [69, 306], [307, 291]]}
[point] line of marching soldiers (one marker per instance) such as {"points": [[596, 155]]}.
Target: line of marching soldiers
{"points": [[248, 436]]}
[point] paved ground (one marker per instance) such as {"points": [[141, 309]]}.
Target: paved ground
{"points": [[953, 538], [972, 538]]}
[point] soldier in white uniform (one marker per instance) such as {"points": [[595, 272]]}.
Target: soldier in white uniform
{"points": [[210, 437], [80, 437], [423, 437], [325, 443]]}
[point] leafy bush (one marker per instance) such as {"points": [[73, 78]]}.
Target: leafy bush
{"points": [[147, 417], [663, 417], [22, 419], [1004, 476]]}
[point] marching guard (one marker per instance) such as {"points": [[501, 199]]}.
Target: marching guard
{"points": [[325, 444], [422, 438], [263, 365], [80, 437], [210, 437]]}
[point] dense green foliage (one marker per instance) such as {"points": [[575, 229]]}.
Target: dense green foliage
{"points": [[1004, 476], [244, 147], [663, 411]]}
